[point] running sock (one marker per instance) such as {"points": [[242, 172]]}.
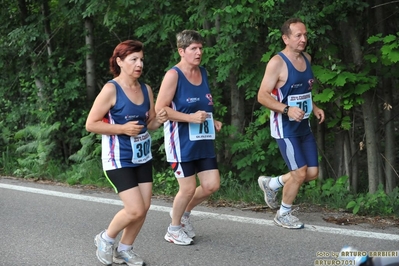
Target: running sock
{"points": [[280, 180], [105, 236], [124, 247], [174, 227], [285, 208], [187, 214], [275, 183]]}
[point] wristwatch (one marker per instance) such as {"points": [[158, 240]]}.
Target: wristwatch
{"points": [[285, 112]]}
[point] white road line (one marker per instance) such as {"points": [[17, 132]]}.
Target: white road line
{"points": [[240, 219]]}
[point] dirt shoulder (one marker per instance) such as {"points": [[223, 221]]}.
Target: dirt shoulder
{"points": [[339, 217]]}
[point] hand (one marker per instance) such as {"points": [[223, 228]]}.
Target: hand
{"points": [[132, 128], [218, 125], [296, 113], [199, 117], [162, 116], [319, 113]]}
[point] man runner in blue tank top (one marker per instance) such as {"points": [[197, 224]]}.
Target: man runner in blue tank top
{"points": [[286, 90]]}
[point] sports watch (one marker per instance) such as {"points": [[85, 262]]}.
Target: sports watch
{"points": [[285, 112]]}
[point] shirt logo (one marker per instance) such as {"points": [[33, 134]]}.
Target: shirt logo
{"points": [[209, 97], [131, 117], [311, 81], [296, 85], [192, 100]]}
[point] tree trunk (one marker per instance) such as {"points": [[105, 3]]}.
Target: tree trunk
{"points": [[90, 63], [320, 133], [354, 174], [347, 155], [237, 105], [390, 159], [23, 10], [371, 142], [390, 147], [370, 123], [339, 157], [47, 26]]}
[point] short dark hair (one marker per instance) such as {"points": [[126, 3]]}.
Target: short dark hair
{"points": [[187, 37], [122, 50], [285, 29]]}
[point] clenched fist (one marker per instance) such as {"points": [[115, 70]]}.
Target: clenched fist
{"points": [[132, 128], [162, 116], [199, 117]]}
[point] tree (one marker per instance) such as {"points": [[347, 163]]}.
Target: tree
{"points": [[54, 56]]}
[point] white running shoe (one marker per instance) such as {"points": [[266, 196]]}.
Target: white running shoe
{"points": [[128, 257], [104, 249], [186, 223], [178, 237], [270, 194], [288, 220]]}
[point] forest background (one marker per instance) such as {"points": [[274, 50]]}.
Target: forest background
{"points": [[54, 60]]}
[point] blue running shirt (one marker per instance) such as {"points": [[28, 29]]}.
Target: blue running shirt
{"points": [[185, 142], [120, 151], [297, 91]]}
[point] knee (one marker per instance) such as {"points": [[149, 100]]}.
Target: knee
{"points": [[210, 188], [312, 173], [300, 179], [136, 214], [299, 176]]}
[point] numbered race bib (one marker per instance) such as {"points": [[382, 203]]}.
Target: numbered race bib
{"points": [[303, 101], [203, 131], [141, 148]]}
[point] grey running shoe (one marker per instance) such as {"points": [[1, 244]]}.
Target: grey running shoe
{"points": [[187, 226], [104, 249], [178, 237], [128, 257], [288, 220], [270, 195]]}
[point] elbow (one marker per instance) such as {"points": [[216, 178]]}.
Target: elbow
{"points": [[159, 106], [259, 99], [89, 127], [153, 126]]}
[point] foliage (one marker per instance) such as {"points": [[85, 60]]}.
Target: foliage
{"points": [[88, 169], [37, 151], [335, 195], [165, 183], [7, 162], [44, 77], [330, 192], [250, 153], [232, 190], [378, 203]]}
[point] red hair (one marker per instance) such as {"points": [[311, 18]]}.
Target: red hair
{"points": [[122, 50]]}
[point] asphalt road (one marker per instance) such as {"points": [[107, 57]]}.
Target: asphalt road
{"points": [[46, 224]]}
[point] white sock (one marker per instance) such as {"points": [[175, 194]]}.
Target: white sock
{"points": [[187, 214], [275, 183], [280, 180], [174, 227], [124, 247], [284, 208], [107, 238]]}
